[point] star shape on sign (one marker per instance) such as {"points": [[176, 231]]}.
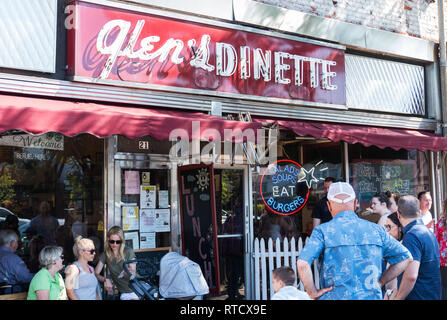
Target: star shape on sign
{"points": [[308, 177]]}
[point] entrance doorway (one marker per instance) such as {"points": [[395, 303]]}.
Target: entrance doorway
{"points": [[231, 196]]}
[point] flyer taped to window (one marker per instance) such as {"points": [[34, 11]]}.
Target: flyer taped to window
{"points": [[130, 217], [147, 240], [148, 195], [147, 220], [131, 239], [162, 220], [131, 182]]}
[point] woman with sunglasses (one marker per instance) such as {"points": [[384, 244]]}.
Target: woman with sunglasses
{"points": [[48, 284], [80, 280], [394, 228], [114, 256]]}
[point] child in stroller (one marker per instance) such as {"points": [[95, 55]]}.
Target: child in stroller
{"points": [[180, 278]]}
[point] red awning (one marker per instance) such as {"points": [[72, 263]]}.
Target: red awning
{"points": [[38, 115], [365, 135]]}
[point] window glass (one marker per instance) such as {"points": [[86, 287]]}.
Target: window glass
{"points": [[374, 170], [319, 159], [54, 185], [229, 190], [151, 199]]}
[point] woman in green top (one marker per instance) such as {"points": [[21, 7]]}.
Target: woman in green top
{"points": [[113, 257], [48, 284]]}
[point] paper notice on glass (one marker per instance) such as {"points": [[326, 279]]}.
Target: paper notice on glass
{"points": [[147, 240], [146, 178], [163, 220], [131, 239], [147, 220], [130, 218], [148, 195], [163, 199], [131, 182]]}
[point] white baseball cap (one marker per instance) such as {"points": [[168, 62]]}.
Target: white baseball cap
{"points": [[338, 188]]}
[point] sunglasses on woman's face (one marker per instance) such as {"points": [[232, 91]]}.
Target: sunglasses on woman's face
{"points": [[388, 227], [115, 241], [92, 251]]}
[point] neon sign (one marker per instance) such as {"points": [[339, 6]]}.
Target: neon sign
{"points": [[226, 56], [281, 189], [137, 49]]}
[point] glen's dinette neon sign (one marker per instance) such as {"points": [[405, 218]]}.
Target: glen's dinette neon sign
{"points": [[146, 50], [280, 188], [227, 59]]}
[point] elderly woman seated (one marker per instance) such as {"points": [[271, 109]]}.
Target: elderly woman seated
{"points": [[48, 284]]}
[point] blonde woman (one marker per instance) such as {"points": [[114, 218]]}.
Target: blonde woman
{"points": [[113, 257], [48, 284], [80, 280]]}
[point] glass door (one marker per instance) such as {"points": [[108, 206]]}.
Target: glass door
{"points": [[231, 210]]}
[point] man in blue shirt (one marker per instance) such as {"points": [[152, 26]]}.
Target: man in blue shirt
{"points": [[422, 279], [353, 250], [13, 270]]}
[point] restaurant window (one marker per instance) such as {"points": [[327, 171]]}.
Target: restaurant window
{"points": [[319, 159], [325, 159], [374, 170], [142, 188], [146, 213], [54, 185]]}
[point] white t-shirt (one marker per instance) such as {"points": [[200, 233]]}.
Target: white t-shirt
{"points": [[427, 218], [290, 293]]}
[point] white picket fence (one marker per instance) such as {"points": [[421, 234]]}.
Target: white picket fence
{"points": [[284, 253]]}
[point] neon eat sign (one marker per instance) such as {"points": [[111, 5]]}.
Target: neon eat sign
{"points": [[280, 188]]}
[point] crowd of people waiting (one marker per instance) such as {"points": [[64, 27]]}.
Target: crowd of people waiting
{"points": [[81, 282], [400, 254]]}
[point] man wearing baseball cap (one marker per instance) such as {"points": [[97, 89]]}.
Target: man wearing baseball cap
{"points": [[353, 250]]}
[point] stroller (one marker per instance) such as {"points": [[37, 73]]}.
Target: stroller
{"points": [[142, 285], [180, 278]]}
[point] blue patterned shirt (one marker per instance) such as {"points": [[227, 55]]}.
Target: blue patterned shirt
{"points": [[353, 250]]}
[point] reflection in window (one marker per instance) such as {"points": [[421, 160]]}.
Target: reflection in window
{"points": [[268, 224], [55, 187], [229, 187], [229, 201], [376, 170], [319, 159], [325, 159]]}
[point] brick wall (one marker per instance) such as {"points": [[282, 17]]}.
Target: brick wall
{"points": [[416, 18]]}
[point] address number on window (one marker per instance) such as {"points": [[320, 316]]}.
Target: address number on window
{"points": [[143, 145]]}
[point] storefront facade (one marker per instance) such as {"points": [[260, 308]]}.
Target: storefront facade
{"points": [[142, 81]]}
